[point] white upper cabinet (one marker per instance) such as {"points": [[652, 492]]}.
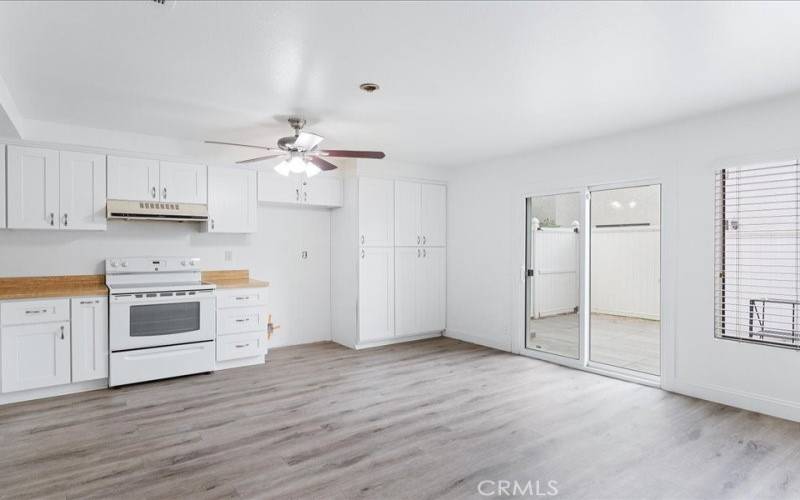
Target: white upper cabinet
{"points": [[183, 182], [89, 338], [375, 212], [2, 186], [32, 188], [133, 179], [407, 212], [232, 200], [323, 191], [433, 214], [82, 191], [376, 294], [275, 188], [319, 191]]}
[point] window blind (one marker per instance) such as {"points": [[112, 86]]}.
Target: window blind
{"points": [[757, 247]]}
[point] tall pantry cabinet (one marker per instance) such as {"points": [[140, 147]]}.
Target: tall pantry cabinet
{"points": [[388, 261]]}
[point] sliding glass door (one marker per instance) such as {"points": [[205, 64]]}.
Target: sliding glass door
{"points": [[598, 248], [553, 271]]}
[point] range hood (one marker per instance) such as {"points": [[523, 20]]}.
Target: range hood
{"points": [[155, 210]]}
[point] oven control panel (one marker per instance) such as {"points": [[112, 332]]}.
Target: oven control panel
{"points": [[128, 265]]}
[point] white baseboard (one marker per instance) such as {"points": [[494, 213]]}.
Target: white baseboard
{"points": [[501, 345], [758, 403], [49, 392], [236, 363], [397, 340]]}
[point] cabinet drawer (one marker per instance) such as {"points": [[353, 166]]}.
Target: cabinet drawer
{"points": [[243, 345], [34, 311], [241, 319], [242, 297]]}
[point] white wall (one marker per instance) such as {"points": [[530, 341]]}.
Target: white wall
{"points": [[486, 235]]}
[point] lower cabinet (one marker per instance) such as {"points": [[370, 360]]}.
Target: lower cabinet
{"points": [[35, 355], [241, 326], [376, 294], [419, 290], [89, 338]]}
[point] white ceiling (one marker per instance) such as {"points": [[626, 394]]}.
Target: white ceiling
{"points": [[460, 81]]}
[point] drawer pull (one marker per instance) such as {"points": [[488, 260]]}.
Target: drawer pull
{"points": [[35, 311], [240, 346], [84, 302], [242, 320], [246, 297]]}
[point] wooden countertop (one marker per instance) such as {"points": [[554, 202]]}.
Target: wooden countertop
{"points": [[36, 287], [239, 278], [84, 285]]}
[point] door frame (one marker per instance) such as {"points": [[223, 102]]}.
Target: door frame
{"points": [[518, 340]]}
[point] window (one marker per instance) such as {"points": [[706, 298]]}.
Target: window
{"points": [[757, 246]]}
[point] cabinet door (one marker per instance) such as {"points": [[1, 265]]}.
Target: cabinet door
{"points": [[275, 188], [232, 200], [89, 338], [2, 185], [376, 294], [406, 214], [32, 188], [433, 215], [35, 356], [431, 290], [183, 182], [323, 191], [406, 277], [132, 179], [375, 212], [82, 191]]}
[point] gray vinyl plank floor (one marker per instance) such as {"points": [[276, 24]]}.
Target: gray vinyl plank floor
{"points": [[423, 420], [631, 343]]}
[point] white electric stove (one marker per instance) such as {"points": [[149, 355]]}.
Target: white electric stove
{"points": [[161, 319]]}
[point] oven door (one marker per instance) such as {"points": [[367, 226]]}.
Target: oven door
{"points": [[160, 319]]}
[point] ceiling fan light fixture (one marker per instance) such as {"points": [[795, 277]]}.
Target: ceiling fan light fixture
{"points": [[283, 168], [296, 165], [312, 170]]}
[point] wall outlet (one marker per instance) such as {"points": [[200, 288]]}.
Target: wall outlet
{"points": [[228, 255]]}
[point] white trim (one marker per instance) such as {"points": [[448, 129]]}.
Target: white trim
{"points": [[775, 407], [478, 340], [397, 340], [237, 363], [49, 392]]}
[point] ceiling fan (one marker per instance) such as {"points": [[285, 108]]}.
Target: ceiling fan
{"points": [[301, 152]]}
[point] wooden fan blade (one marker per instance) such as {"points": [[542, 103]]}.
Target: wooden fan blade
{"points": [[342, 153], [242, 145], [322, 164], [260, 158]]}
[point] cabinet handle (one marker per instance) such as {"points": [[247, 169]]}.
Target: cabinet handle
{"points": [[419, 253], [239, 346], [424, 240], [417, 239], [52, 219], [212, 224], [362, 239], [165, 192], [363, 254], [83, 302], [297, 194], [66, 220], [35, 311], [153, 192], [62, 332], [242, 298], [305, 196], [424, 253], [242, 320]]}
